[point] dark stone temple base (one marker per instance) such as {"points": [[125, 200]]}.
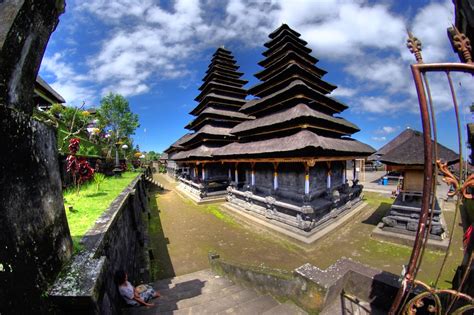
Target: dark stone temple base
{"points": [[328, 223], [197, 196], [400, 224]]}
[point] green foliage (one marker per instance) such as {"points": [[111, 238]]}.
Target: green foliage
{"points": [[56, 110], [116, 117], [152, 156], [99, 178]]}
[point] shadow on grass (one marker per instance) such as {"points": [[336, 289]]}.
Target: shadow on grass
{"points": [[161, 265], [378, 214], [97, 194]]}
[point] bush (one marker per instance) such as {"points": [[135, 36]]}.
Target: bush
{"points": [[99, 178]]}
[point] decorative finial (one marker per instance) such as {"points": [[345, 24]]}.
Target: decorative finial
{"points": [[414, 45], [461, 44], [222, 46]]}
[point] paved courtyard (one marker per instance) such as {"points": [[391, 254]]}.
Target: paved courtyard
{"points": [[183, 233]]}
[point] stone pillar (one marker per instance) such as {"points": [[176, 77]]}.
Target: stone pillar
{"points": [[34, 235], [230, 174], [275, 176], [203, 172]]}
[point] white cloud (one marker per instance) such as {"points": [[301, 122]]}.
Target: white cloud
{"points": [[385, 130], [66, 81], [380, 105], [149, 41], [380, 139]]}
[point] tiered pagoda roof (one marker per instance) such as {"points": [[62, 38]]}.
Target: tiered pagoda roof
{"points": [[294, 114], [221, 97]]}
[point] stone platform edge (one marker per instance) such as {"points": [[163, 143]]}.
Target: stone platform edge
{"points": [[198, 200], [294, 233], [405, 239]]}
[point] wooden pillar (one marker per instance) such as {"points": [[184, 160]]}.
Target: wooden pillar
{"points": [[343, 172], [196, 171], [275, 175], [306, 179], [354, 173], [252, 174], [328, 181], [230, 173], [236, 173]]}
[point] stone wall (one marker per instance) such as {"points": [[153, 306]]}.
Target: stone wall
{"points": [[34, 235], [315, 289], [117, 241], [278, 283]]}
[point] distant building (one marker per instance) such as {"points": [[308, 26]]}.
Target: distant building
{"points": [[45, 96], [405, 154]]}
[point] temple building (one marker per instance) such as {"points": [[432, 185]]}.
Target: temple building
{"points": [[282, 155], [222, 95], [289, 162], [174, 170], [405, 154]]}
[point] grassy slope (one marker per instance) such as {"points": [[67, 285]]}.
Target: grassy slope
{"points": [[90, 204], [188, 232]]}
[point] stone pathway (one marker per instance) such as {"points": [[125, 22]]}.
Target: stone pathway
{"points": [[203, 292]]}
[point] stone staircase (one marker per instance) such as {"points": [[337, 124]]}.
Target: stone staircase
{"points": [[204, 292]]}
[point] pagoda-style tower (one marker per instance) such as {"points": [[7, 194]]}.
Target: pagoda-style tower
{"points": [[221, 97], [294, 153]]}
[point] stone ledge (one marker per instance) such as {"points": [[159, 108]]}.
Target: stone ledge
{"points": [[85, 285]]}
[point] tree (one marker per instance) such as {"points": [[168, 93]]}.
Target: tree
{"points": [[152, 156], [116, 118]]}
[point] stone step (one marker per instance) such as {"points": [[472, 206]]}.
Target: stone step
{"points": [[220, 304], [206, 285], [203, 275], [285, 309], [203, 292], [203, 299], [258, 305]]}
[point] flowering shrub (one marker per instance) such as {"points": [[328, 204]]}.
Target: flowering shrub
{"points": [[78, 166]]}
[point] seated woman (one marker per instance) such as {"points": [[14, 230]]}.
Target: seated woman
{"points": [[134, 295]]}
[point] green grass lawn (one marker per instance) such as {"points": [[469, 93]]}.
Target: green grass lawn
{"points": [[89, 204]]}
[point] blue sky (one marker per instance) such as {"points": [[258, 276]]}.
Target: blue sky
{"points": [[155, 53]]}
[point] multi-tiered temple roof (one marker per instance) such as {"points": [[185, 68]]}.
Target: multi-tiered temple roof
{"points": [[221, 97], [294, 114]]}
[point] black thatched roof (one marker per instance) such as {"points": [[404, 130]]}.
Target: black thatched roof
{"points": [[302, 140], [298, 111], [219, 88], [177, 145], [293, 87], [218, 113], [216, 99], [48, 90], [407, 149], [286, 59], [208, 130], [286, 28], [199, 152], [285, 76]]}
